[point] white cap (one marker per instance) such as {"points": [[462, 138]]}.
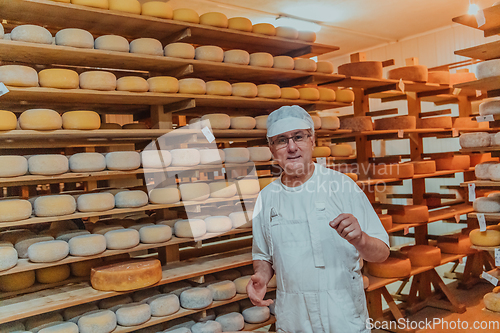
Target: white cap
{"points": [[288, 118]]}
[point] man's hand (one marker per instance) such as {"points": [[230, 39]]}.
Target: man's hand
{"points": [[347, 227], [256, 290]]}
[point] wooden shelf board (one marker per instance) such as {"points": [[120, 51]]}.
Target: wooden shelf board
{"points": [[487, 84], [480, 149], [402, 226], [374, 181], [484, 248], [486, 51], [100, 22], [395, 134], [492, 16], [482, 183], [391, 85], [449, 212], [488, 216]]}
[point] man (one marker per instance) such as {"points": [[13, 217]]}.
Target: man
{"points": [[311, 227]]}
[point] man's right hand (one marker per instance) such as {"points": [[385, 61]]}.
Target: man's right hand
{"points": [[256, 290]]}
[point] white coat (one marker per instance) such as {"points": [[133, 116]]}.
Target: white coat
{"points": [[320, 286]]}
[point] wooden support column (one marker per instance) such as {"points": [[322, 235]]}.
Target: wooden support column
{"points": [[363, 145], [160, 119]]}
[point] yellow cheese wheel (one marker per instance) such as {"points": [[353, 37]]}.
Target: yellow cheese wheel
{"points": [[269, 91], [98, 80], [52, 274], [17, 281], [316, 121], [245, 89], [386, 221], [180, 50], [456, 162], [218, 120], [409, 214], [81, 120], [157, 9], [240, 57], [148, 46], [485, 238], [163, 84], [243, 122], [307, 36], [330, 122], [8, 121], [186, 15], [220, 88], [391, 268], [132, 83], [75, 38], [283, 62], [112, 43], [435, 122], [264, 29], [341, 150], [304, 64], [344, 96], [287, 32], [261, 122], [127, 6], [92, 3], [372, 69], [192, 86], [326, 94], [321, 152], [40, 120], [309, 94], [440, 77], [261, 59], [14, 210], [290, 93], [422, 255], [214, 19], [324, 67], [240, 23], [417, 73], [126, 276], [18, 76], [32, 34], [59, 78], [209, 53]]}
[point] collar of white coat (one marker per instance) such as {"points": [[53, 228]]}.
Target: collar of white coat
{"points": [[302, 186]]}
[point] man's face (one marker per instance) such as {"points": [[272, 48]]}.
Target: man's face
{"points": [[293, 151]]}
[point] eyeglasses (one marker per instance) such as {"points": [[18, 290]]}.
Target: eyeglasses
{"points": [[282, 141]]}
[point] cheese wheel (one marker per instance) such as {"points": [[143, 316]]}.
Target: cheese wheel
{"points": [[49, 164], [192, 86], [40, 120], [485, 238], [321, 152], [155, 234], [22, 245], [59, 78], [148, 46], [54, 205], [261, 59], [341, 150], [316, 121], [121, 239], [330, 122], [196, 298], [131, 199], [256, 314], [133, 314], [192, 228], [123, 160], [75, 37], [243, 122], [220, 88], [52, 274], [218, 120], [488, 68], [417, 73], [490, 107], [132, 83], [325, 67], [396, 123], [48, 251], [239, 23], [113, 126], [269, 91], [260, 154], [157, 9], [2, 32], [309, 94], [287, 32], [87, 162], [423, 167], [212, 156], [222, 189], [185, 157], [58, 327], [8, 121], [209, 53], [31, 33], [218, 224], [327, 95], [112, 43], [98, 80], [248, 186], [194, 191], [487, 205], [81, 120], [95, 202], [435, 122], [241, 284], [155, 159], [87, 245], [13, 166], [236, 155], [127, 6], [462, 246], [372, 69], [386, 221], [186, 15], [231, 322], [482, 170], [163, 84], [283, 62], [261, 122], [82, 268], [125, 276], [18, 76], [307, 36], [440, 77], [473, 140], [245, 89], [422, 255], [456, 162], [402, 170], [264, 29], [163, 305], [240, 57], [214, 19], [495, 139], [68, 234], [494, 172], [8, 257], [290, 93], [12, 236], [77, 311], [492, 301], [92, 3], [222, 290], [102, 229], [344, 96], [180, 50], [17, 281], [305, 64], [14, 210], [409, 214], [206, 327], [101, 321], [390, 268]]}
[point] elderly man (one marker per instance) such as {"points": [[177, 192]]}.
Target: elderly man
{"points": [[311, 227]]}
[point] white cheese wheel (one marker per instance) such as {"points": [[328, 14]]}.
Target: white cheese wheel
{"points": [[48, 251], [186, 15], [192, 86], [344, 96], [214, 19], [59, 78], [222, 189], [155, 234], [127, 6], [341, 150], [256, 314], [245, 89], [490, 107], [123, 160], [132, 83], [456, 162], [305, 64], [131, 199], [133, 314], [390, 268], [218, 120], [287, 32], [22, 245], [321, 152], [76, 311], [87, 162], [326, 94], [192, 228], [330, 122], [121, 239], [283, 62], [482, 170], [81, 120], [194, 191], [488, 68], [316, 121], [309, 94], [75, 37], [220, 88], [17, 281], [112, 43], [261, 59], [155, 159], [163, 305], [261, 121], [13, 166], [423, 167], [180, 50], [422, 255], [435, 122], [241, 284], [148, 46], [269, 91], [53, 274], [241, 219], [417, 73], [185, 157], [236, 155], [163, 84], [240, 57], [157, 9], [218, 224], [18, 76], [60, 328], [231, 322], [240, 23], [209, 326], [396, 123], [166, 195], [372, 69], [495, 140], [31, 33], [212, 156], [102, 321], [14, 210], [87, 245], [209, 53], [487, 205], [54, 205], [8, 121], [307, 36], [248, 186], [95, 202], [8, 257], [222, 290], [409, 214], [6, 36], [196, 298], [290, 93], [324, 67], [485, 238], [264, 29], [243, 122], [260, 154], [40, 120], [473, 140], [98, 80]]}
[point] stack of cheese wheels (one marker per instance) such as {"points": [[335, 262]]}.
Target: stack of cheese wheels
{"points": [[409, 214], [14, 210], [435, 122], [485, 238], [321, 152], [440, 77], [163, 84], [75, 38], [386, 221], [123, 160], [186, 15], [214, 19], [218, 120], [290, 93], [240, 23], [482, 170], [185, 157], [112, 43], [489, 107], [341, 150], [98, 80], [8, 121], [490, 204], [240, 57], [157, 9], [209, 53], [401, 170], [236, 155], [243, 122], [245, 89], [371, 69], [179, 50], [456, 162], [396, 123], [473, 140], [194, 191], [423, 167], [32, 34], [417, 73], [455, 244], [149, 46], [492, 300], [264, 29], [40, 120], [261, 59], [357, 124], [422, 255], [391, 268], [59, 78], [344, 95], [330, 122], [81, 120], [125, 276], [485, 69]]}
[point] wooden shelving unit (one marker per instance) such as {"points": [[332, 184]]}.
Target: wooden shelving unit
{"points": [[486, 51], [492, 16]]}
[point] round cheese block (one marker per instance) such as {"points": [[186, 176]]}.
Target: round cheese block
{"points": [[316, 121], [87, 162], [121, 239], [241, 284], [487, 205], [81, 120], [155, 159], [220, 88], [112, 43], [112, 126], [417, 73], [495, 139], [66, 235], [6, 36], [180, 50], [194, 191], [192, 228], [13, 166], [196, 298], [228, 308], [231, 322], [222, 189], [163, 84], [222, 290], [245, 89], [87, 245], [240, 23], [243, 122], [330, 122], [8, 121], [83, 268], [218, 120], [132, 83], [59, 78], [307, 36], [305, 64], [155, 234], [248, 186], [283, 62], [344, 96], [22, 245], [212, 156], [173, 287], [102, 229], [14, 210], [131, 199], [485, 238], [54, 205], [261, 59], [31, 33], [123, 160], [390, 268], [185, 157], [482, 170], [98, 80], [492, 301], [341, 150], [261, 122], [75, 37], [163, 305], [473, 140], [325, 67], [287, 32], [186, 15], [17, 281], [435, 122], [192, 86], [396, 123], [409, 214], [260, 154], [97, 321], [239, 57], [236, 155], [264, 29], [133, 314], [326, 94], [489, 107], [58, 327], [386, 221], [9, 257], [95, 202], [309, 94], [290, 93], [209, 53], [269, 91], [488, 68], [423, 255], [48, 251], [40, 120], [148, 46], [423, 167], [214, 19], [218, 224], [127, 6], [321, 152], [256, 314], [456, 162], [372, 69], [207, 326], [440, 77], [462, 246], [52, 274], [157, 9]]}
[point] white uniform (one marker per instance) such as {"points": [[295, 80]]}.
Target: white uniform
{"points": [[320, 286]]}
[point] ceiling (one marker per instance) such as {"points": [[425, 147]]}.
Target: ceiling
{"points": [[352, 25]]}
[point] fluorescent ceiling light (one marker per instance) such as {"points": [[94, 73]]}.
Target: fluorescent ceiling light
{"points": [[301, 25], [473, 9]]}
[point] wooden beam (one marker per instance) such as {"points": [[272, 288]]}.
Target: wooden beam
{"points": [[178, 36], [298, 81], [299, 52], [382, 112], [373, 90], [180, 106], [434, 113]]}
